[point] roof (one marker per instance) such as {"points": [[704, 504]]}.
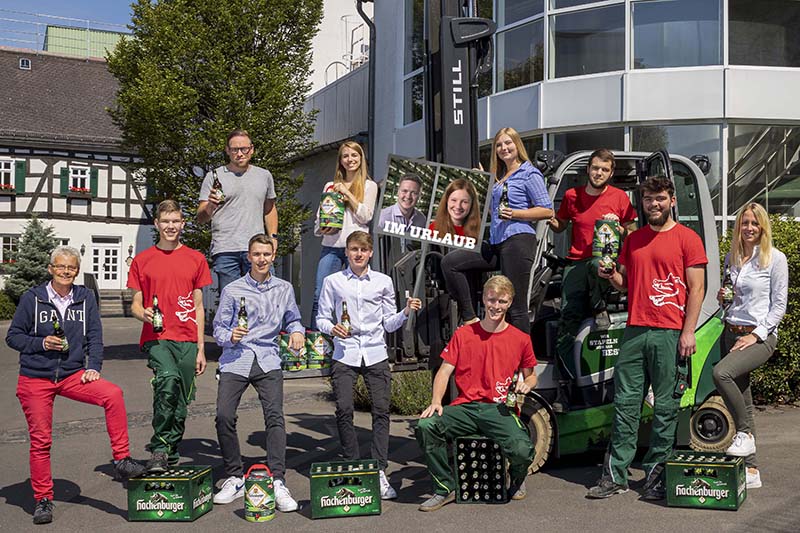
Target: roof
{"points": [[60, 100]]}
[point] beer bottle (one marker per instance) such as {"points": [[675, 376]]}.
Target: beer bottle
{"points": [[503, 199], [158, 317], [607, 261], [58, 331], [511, 395], [345, 320], [727, 288], [218, 187], [242, 322]]}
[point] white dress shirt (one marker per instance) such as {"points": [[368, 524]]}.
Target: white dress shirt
{"points": [[372, 309]]}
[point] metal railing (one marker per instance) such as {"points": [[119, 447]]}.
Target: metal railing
{"points": [[61, 35]]}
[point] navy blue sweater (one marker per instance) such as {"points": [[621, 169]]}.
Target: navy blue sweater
{"points": [[33, 321]]}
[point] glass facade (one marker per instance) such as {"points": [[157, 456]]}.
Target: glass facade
{"points": [[572, 141], [413, 60], [520, 56], [587, 42], [764, 32], [676, 33]]}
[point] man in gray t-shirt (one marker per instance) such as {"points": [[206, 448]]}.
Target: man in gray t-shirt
{"points": [[248, 206]]}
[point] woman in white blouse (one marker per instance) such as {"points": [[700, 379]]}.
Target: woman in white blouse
{"points": [[760, 276], [359, 193]]}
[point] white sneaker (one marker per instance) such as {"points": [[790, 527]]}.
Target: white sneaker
{"points": [[387, 492], [283, 498], [743, 445], [753, 480], [232, 489]]}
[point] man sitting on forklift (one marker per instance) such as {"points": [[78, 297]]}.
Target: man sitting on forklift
{"points": [[581, 288]]}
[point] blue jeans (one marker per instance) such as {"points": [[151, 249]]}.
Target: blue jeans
{"points": [[331, 260], [230, 266]]}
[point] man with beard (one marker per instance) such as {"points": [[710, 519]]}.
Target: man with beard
{"points": [[581, 288], [662, 267]]}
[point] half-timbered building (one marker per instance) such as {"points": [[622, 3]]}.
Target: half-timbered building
{"points": [[60, 158]]}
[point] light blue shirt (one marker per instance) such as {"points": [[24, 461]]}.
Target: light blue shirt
{"points": [[271, 308], [759, 294], [62, 303], [526, 189], [372, 309]]}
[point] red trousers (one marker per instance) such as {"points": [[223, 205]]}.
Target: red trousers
{"points": [[36, 395]]}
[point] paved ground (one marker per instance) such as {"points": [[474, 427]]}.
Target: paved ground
{"points": [[87, 497]]}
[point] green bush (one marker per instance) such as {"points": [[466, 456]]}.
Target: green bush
{"points": [[411, 393], [778, 380], [7, 307]]}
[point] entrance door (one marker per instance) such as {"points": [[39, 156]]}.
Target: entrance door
{"points": [[106, 262]]}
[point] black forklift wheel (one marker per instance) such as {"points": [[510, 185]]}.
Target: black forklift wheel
{"points": [[711, 427], [541, 428]]}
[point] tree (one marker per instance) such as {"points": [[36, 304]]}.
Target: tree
{"points": [[196, 69], [29, 262]]}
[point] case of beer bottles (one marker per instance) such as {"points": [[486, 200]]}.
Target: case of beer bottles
{"points": [[291, 361], [319, 350], [345, 488], [182, 494], [480, 470], [705, 480]]}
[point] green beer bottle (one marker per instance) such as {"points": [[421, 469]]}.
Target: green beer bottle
{"points": [[58, 331], [242, 320], [158, 317], [511, 395]]}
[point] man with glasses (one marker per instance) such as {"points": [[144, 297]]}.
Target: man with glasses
{"points": [[57, 331], [241, 208]]}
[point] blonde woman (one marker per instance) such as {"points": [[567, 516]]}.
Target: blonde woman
{"points": [[512, 242], [359, 192], [760, 276]]}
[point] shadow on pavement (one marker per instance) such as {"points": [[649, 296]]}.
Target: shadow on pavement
{"points": [[21, 495], [131, 352]]}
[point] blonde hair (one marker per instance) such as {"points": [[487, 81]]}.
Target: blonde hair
{"points": [[359, 184], [765, 240], [499, 284], [498, 166], [444, 224]]}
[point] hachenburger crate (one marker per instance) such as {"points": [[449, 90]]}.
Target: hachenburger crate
{"points": [[182, 494]]}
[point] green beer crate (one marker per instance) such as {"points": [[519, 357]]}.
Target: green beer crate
{"points": [[705, 480], [182, 494], [480, 468], [291, 361], [319, 349], [345, 488]]}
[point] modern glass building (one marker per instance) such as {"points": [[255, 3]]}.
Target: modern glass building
{"points": [[714, 77]]}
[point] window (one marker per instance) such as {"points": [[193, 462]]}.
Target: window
{"points": [[676, 33], [510, 11], [520, 55], [79, 179], [573, 141], [8, 245], [587, 42], [764, 167], [414, 60], [686, 140], [6, 174], [558, 4], [764, 33]]}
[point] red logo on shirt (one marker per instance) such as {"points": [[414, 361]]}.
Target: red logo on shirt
{"points": [[667, 291]]}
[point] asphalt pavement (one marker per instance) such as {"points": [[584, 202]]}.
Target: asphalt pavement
{"points": [[87, 497]]}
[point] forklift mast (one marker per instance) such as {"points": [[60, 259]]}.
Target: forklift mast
{"points": [[458, 46]]}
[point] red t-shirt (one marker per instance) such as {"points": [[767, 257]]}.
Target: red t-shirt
{"points": [[656, 264], [172, 276], [458, 229], [584, 210], [485, 362]]}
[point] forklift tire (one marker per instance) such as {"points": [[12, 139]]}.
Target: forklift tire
{"points": [[711, 428], [541, 429]]}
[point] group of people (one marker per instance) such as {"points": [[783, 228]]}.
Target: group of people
{"points": [[57, 323]]}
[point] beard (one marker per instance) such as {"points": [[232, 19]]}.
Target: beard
{"points": [[658, 219]]}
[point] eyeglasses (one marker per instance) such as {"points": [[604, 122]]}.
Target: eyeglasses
{"points": [[243, 149], [62, 268]]}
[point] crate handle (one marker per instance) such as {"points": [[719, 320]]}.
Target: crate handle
{"points": [[258, 466]]}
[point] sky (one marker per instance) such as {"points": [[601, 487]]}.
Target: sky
{"points": [[110, 11]]}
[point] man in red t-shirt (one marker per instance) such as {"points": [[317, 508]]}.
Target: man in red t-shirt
{"points": [[662, 266], [582, 291], [485, 356], [175, 275]]}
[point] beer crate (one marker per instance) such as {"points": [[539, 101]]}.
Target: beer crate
{"points": [[705, 480], [182, 493], [345, 488], [480, 471], [291, 361]]}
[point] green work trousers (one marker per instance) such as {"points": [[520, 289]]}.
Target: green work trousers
{"points": [[647, 356], [490, 420], [173, 366], [582, 293]]}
